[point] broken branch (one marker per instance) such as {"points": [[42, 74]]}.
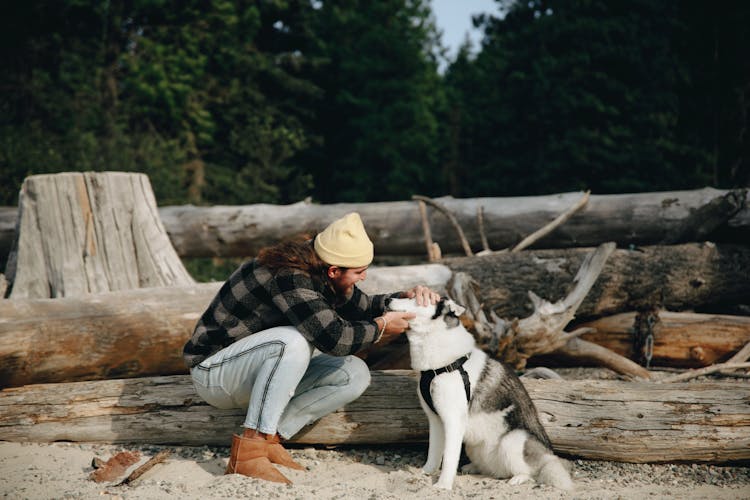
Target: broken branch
{"points": [[719, 367], [451, 218], [559, 220]]}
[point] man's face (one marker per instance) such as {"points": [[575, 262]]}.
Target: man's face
{"points": [[343, 280]]}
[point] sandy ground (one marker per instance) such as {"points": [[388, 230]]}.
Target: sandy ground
{"points": [[61, 470]]}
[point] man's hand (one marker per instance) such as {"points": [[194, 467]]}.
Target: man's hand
{"points": [[396, 324], [423, 295]]}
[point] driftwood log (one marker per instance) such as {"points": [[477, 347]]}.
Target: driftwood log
{"points": [[132, 333], [141, 332], [90, 232], [595, 419], [680, 339], [676, 277], [395, 227], [543, 331]]}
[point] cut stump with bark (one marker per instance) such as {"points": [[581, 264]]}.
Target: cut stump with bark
{"points": [[89, 232]]}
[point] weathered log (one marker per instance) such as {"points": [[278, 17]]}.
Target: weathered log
{"points": [[395, 227], [132, 333], [595, 419], [543, 331], [678, 277], [39, 339], [680, 339], [90, 232]]}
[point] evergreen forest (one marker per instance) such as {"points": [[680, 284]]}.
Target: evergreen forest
{"points": [[274, 101]]}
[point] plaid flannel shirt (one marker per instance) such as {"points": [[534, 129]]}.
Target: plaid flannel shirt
{"points": [[255, 299]]}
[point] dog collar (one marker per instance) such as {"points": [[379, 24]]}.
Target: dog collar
{"points": [[425, 381]]}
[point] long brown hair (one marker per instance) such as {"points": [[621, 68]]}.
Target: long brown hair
{"points": [[296, 253]]}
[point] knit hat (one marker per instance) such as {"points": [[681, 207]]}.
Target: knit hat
{"points": [[345, 243]]}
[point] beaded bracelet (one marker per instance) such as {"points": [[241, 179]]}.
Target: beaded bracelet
{"points": [[382, 330]]}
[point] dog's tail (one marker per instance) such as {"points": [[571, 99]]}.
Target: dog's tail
{"points": [[555, 473]]}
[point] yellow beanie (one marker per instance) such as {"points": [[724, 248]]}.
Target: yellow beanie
{"points": [[345, 243]]}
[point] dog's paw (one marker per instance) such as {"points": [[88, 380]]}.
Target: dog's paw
{"points": [[519, 479], [443, 485], [470, 469], [430, 467], [429, 470]]}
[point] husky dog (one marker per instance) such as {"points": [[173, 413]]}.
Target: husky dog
{"points": [[471, 398]]}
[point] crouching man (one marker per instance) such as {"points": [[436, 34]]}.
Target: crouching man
{"points": [[279, 337]]}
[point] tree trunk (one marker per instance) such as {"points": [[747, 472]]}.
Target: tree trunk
{"points": [[396, 228], [141, 332], [685, 340], [131, 333], [678, 277], [90, 232], [593, 419]]}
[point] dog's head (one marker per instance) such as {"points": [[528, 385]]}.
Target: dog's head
{"points": [[445, 311]]}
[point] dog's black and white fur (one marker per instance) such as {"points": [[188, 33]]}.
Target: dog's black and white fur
{"points": [[498, 425]]}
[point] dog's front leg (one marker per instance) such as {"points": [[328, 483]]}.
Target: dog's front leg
{"points": [[454, 416], [437, 442]]}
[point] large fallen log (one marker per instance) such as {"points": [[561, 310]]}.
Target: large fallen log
{"points": [[676, 277], [680, 339], [131, 333], [395, 227], [596, 419], [141, 332]]}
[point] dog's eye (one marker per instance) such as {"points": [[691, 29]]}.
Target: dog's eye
{"points": [[439, 309], [451, 320]]}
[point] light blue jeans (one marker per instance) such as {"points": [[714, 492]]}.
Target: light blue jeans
{"points": [[282, 381]]}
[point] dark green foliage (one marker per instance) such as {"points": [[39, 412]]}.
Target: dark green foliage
{"points": [[245, 101], [382, 92], [182, 91], [569, 95]]}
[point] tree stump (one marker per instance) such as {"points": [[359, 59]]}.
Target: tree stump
{"points": [[92, 232]]}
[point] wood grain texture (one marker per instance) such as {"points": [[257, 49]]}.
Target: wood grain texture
{"points": [[681, 339], [130, 333], [90, 232], [395, 227], [594, 419], [673, 277]]}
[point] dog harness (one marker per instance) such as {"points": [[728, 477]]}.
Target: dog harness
{"points": [[425, 381]]}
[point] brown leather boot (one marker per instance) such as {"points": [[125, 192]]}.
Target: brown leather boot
{"points": [[278, 455], [249, 457]]}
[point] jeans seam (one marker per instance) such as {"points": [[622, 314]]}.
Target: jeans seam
{"points": [[268, 384], [242, 353]]}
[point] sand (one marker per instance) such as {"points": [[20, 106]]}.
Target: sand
{"points": [[61, 470]]}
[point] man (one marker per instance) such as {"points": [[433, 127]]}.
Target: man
{"points": [[279, 338]]}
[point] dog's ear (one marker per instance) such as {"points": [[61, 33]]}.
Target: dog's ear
{"points": [[455, 308]]}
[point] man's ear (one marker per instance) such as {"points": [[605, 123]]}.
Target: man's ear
{"points": [[333, 271]]}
